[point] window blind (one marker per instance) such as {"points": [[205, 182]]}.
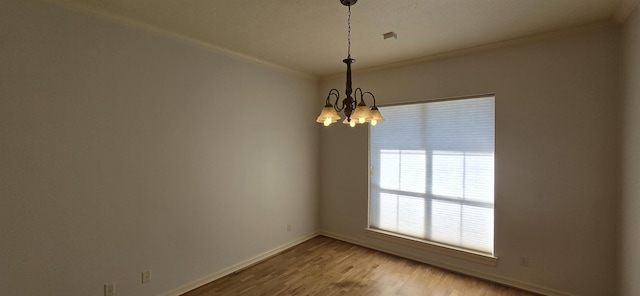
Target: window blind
{"points": [[432, 172]]}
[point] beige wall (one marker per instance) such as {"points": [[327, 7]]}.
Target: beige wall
{"points": [[556, 158], [122, 151], [630, 206]]}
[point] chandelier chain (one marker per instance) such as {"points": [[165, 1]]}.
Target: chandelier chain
{"points": [[349, 33]]}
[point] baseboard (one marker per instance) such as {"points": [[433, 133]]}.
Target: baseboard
{"points": [[263, 256], [452, 267], [242, 265]]}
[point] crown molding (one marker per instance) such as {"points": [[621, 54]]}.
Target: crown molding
{"points": [[482, 48], [170, 35], [625, 9]]}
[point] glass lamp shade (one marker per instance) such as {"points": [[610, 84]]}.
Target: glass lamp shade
{"points": [[328, 115], [376, 116], [362, 114]]}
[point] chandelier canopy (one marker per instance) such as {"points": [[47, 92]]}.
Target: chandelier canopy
{"points": [[355, 112]]}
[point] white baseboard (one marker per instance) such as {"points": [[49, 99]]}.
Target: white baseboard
{"points": [[256, 259], [452, 267], [244, 264]]}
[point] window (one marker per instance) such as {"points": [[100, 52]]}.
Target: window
{"points": [[432, 171]]}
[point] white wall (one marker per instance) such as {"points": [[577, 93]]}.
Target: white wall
{"points": [[630, 205], [122, 151], [556, 158]]}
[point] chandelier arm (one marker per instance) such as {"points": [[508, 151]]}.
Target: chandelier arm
{"points": [[333, 92], [336, 93], [374, 97], [355, 94]]}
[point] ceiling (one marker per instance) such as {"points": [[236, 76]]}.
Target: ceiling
{"points": [[310, 36]]}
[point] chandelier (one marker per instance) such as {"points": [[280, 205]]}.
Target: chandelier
{"points": [[355, 112]]}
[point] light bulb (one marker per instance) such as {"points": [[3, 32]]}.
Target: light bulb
{"points": [[352, 123], [374, 122], [361, 119], [327, 121]]}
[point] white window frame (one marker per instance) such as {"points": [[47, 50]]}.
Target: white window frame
{"points": [[432, 246]]}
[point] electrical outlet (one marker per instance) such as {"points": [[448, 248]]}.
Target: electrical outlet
{"points": [[110, 289], [288, 227], [146, 276], [524, 261]]}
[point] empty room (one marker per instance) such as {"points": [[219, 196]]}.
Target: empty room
{"points": [[223, 147]]}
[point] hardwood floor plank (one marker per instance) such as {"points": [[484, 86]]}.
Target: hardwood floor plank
{"points": [[325, 266]]}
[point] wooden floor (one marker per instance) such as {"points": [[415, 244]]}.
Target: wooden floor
{"points": [[325, 266]]}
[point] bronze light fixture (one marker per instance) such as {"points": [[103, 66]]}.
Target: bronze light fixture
{"points": [[355, 112]]}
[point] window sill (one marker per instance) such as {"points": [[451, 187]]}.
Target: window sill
{"points": [[468, 255]]}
